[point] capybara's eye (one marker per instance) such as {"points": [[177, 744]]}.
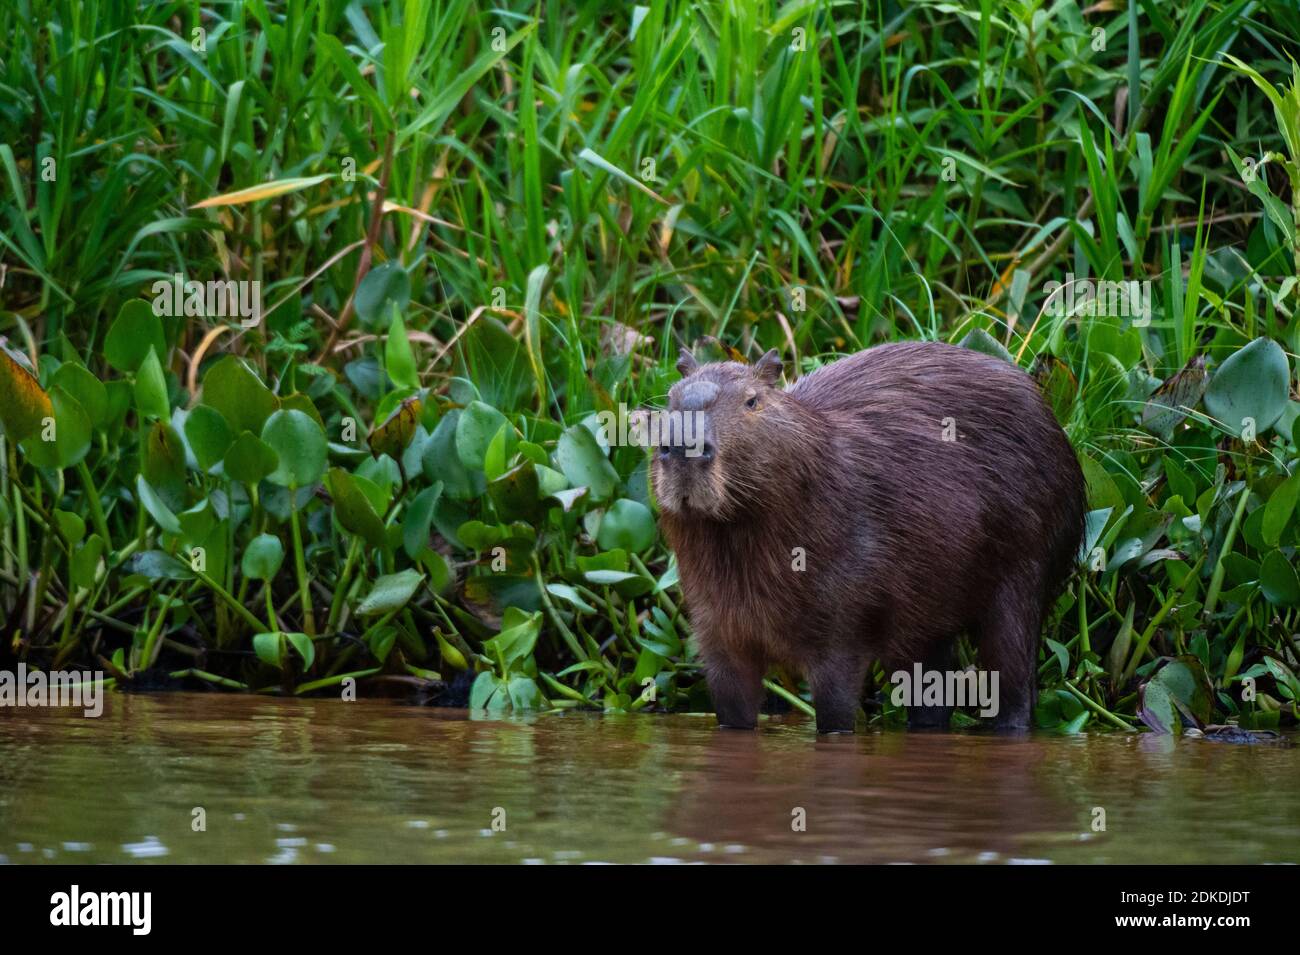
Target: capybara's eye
{"points": [[752, 402]]}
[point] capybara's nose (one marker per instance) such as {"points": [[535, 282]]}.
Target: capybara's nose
{"points": [[706, 452]]}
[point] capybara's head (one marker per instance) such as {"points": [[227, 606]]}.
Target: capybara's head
{"points": [[727, 428]]}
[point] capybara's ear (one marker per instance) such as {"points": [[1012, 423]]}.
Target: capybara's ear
{"points": [[769, 367], [686, 362]]}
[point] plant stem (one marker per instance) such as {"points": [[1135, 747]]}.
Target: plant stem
{"points": [[300, 565]]}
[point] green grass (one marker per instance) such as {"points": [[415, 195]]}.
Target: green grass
{"points": [[550, 198]]}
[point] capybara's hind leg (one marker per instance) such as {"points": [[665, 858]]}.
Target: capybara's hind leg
{"points": [[836, 683], [941, 659], [1009, 632], [736, 686]]}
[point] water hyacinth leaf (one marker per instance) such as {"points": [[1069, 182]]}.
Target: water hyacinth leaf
{"points": [[477, 425], [134, 333], [300, 444], [300, 402], [84, 564], [439, 571], [159, 565], [399, 360], [518, 636], [567, 498], [234, 389], [500, 451], [628, 525], [76, 380], [1188, 687], [158, 510], [63, 438], [304, 646], [1156, 709], [1170, 404], [581, 460], [250, 459], [484, 691], [441, 462], [209, 435], [418, 520], [515, 493], [570, 596], [386, 286], [524, 694], [164, 463], [1102, 490], [262, 557], [24, 404], [151, 389], [71, 527], [391, 592], [477, 535], [1278, 510], [352, 508], [269, 648], [392, 437], [1250, 387], [1278, 580]]}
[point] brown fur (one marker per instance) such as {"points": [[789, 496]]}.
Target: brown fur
{"points": [[908, 539]]}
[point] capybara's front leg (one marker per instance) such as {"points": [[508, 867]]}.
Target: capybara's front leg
{"points": [[736, 686], [836, 687]]}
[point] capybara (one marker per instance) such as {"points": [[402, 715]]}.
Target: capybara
{"points": [[875, 509]]}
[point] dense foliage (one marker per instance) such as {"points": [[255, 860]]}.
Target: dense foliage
{"points": [[475, 227]]}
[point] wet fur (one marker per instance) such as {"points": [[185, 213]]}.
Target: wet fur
{"points": [[909, 539]]}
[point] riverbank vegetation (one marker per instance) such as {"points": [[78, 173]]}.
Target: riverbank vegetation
{"points": [[458, 232]]}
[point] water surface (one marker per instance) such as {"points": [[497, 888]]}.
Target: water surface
{"points": [[284, 780]]}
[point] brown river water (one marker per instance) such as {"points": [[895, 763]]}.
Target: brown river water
{"points": [[293, 781]]}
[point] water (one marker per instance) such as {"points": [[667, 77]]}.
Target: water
{"points": [[326, 781]]}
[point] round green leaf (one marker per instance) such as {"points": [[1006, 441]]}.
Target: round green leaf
{"points": [[250, 459], [391, 592], [24, 404], [477, 426], [134, 333], [301, 446], [62, 438], [627, 524], [1278, 581], [1251, 385], [89, 391], [269, 647], [1278, 510], [209, 435], [416, 521], [158, 510], [353, 509], [584, 463], [263, 557], [237, 392]]}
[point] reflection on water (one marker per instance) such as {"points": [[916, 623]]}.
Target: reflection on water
{"points": [[326, 781]]}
